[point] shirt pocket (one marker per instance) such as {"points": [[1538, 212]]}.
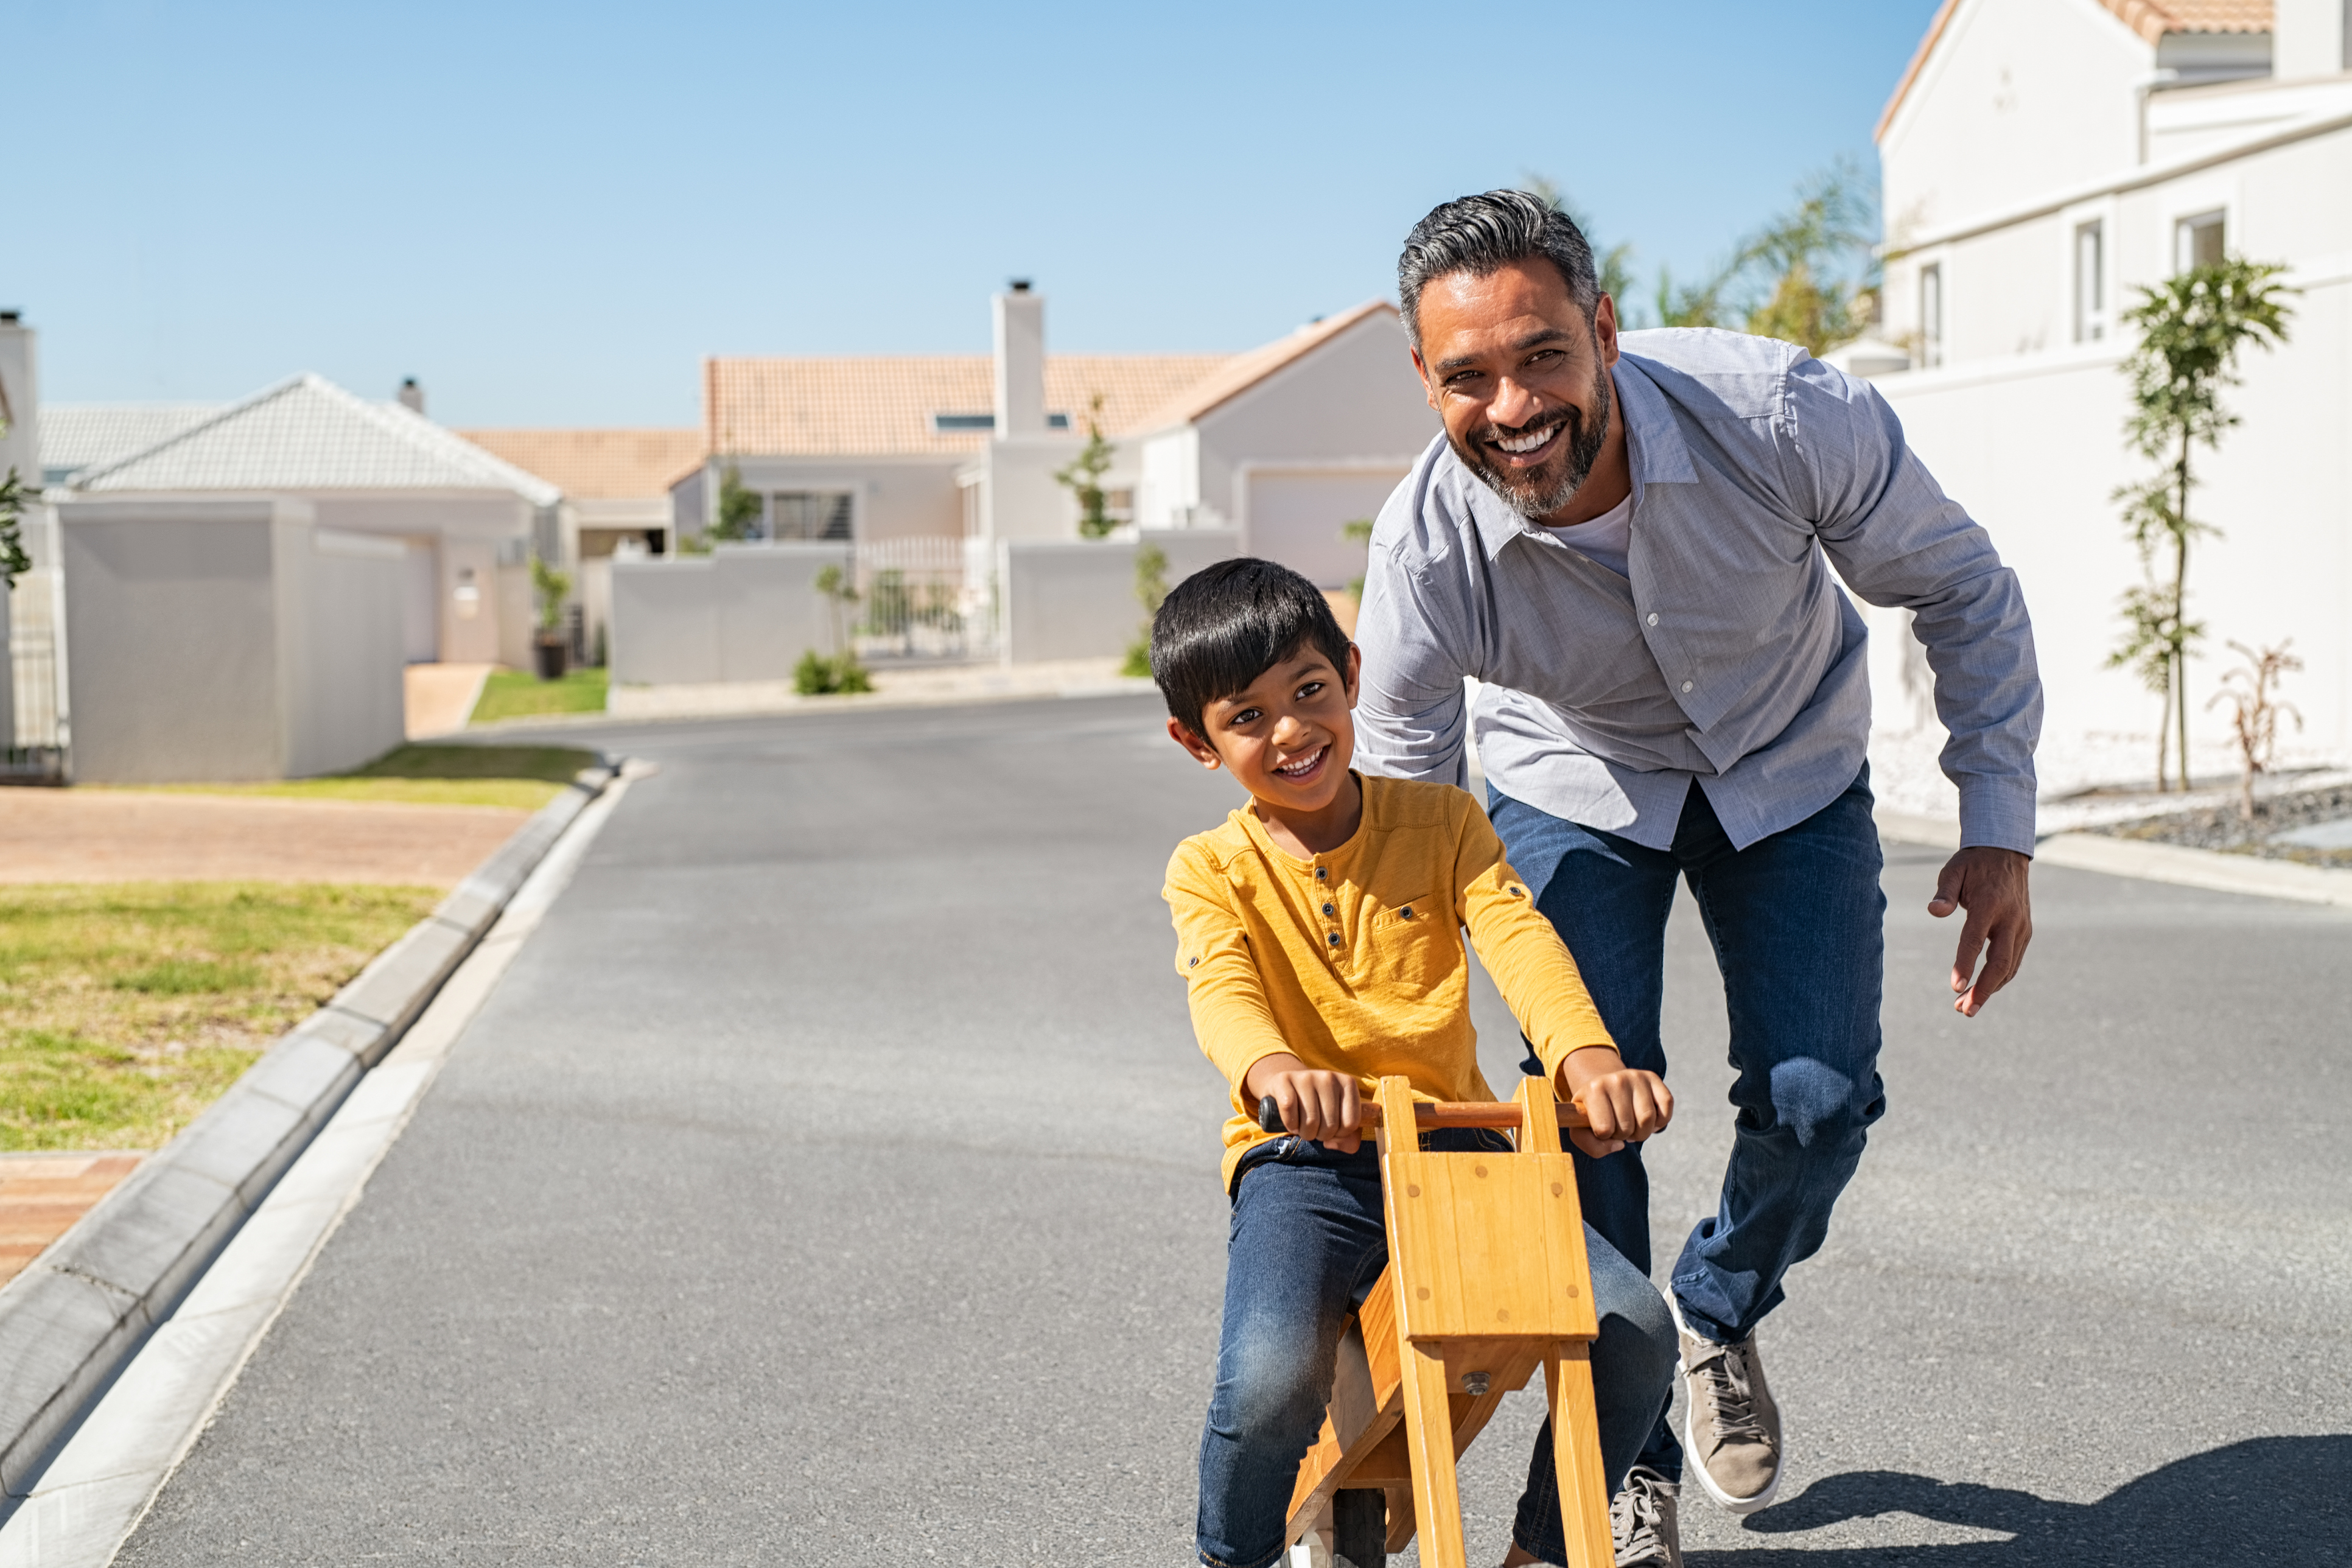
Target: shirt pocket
{"points": [[1410, 947]]}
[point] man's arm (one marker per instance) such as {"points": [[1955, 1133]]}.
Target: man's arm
{"points": [[1898, 540], [1411, 721]]}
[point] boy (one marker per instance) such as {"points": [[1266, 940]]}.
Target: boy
{"points": [[1320, 935]]}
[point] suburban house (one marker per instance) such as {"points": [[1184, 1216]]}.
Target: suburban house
{"points": [[2042, 160], [921, 460], [465, 520], [615, 488]]}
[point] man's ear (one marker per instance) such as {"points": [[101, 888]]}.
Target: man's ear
{"points": [[1605, 329], [1353, 679], [1203, 753], [1421, 370]]}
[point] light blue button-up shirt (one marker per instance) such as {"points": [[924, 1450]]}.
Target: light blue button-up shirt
{"points": [[1725, 654]]}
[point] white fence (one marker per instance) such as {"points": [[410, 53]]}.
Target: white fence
{"points": [[744, 611], [1077, 599]]}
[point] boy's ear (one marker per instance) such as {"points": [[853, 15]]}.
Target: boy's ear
{"points": [[1351, 679], [1191, 740]]}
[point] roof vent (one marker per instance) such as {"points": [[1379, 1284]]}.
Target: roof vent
{"points": [[412, 396], [10, 318], [1021, 285]]}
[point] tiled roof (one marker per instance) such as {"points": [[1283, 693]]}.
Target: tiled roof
{"points": [[1242, 371], [858, 407], [307, 434], [2151, 19], [81, 435], [597, 465]]}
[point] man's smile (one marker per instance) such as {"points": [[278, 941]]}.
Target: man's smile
{"points": [[1526, 448]]}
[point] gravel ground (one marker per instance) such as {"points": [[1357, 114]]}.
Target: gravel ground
{"points": [[2226, 827]]}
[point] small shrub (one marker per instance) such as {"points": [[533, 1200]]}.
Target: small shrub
{"points": [[840, 675]]}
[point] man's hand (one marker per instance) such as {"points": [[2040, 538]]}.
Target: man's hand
{"points": [[1323, 1106], [1622, 1104], [1989, 884]]}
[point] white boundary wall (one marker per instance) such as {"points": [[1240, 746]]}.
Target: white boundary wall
{"points": [[1077, 600], [228, 639], [744, 611]]}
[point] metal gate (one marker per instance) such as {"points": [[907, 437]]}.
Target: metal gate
{"points": [[36, 732]]}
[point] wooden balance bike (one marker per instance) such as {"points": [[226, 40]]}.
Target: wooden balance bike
{"points": [[1486, 1281]]}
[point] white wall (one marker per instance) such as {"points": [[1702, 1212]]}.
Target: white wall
{"points": [[2032, 445], [1297, 516], [1076, 599], [2018, 98], [221, 639], [1354, 401], [740, 612], [339, 642]]}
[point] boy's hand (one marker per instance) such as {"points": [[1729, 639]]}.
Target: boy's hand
{"points": [[1622, 1104], [1323, 1106]]}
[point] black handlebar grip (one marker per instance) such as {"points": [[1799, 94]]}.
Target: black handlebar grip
{"points": [[1269, 1115]]}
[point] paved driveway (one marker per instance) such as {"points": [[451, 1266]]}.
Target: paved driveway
{"points": [[832, 1181]]}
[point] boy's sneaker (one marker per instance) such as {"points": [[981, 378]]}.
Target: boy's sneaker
{"points": [[1641, 1519], [1731, 1428]]}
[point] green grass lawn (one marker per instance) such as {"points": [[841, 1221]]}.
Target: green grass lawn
{"points": [[518, 694], [126, 1009], [524, 778]]}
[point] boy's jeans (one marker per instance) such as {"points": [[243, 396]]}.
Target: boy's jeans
{"points": [[1306, 1246], [1797, 920]]}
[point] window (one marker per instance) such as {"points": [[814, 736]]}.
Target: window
{"points": [[2196, 242], [1931, 316], [956, 424], [808, 514], [1058, 421], [2090, 283]]}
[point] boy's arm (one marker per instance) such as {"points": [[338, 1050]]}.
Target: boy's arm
{"points": [[1537, 977], [1231, 1017]]}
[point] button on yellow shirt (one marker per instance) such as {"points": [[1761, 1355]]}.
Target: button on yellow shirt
{"points": [[1353, 962]]}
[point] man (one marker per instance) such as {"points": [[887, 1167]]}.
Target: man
{"points": [[1630, 541]]}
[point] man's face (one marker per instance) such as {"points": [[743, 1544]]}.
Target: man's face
{"points": [[1521, 379]]}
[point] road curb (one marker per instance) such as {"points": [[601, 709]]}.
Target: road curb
{"points": [[72, 1318]]}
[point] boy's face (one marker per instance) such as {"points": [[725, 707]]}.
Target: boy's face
{"points": [[1288, 738]]}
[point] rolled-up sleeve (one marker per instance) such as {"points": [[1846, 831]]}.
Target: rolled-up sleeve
{"points": [[1898, 540]]}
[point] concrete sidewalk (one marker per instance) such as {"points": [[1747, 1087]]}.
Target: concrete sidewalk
{"points": [[129, 835]]}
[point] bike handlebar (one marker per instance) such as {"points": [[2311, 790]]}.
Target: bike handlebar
{"points": [[1502, 1115]]}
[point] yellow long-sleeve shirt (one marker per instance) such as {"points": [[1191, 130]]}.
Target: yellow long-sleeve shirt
{"points": [[1352, 962]]}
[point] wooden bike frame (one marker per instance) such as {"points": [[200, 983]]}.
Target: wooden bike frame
{"points": [[1487, 1282]]}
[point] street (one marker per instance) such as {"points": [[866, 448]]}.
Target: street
{"points": [[832, 1181]]}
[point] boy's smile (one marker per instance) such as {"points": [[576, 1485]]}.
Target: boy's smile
{"points": [[1286, 738]]}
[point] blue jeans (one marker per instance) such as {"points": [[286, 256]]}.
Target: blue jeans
{"points": [[1797, 921], [1305, 1247]]}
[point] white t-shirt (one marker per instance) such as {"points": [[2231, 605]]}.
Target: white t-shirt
{"points": [[1606, 538]]}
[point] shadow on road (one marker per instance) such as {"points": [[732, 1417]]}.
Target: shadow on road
{"points": [[2267, 1502]]}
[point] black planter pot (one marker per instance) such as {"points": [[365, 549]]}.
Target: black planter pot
{"points": [[551, 653]]}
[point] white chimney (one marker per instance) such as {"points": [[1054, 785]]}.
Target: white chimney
{"points": [[2311, 37], [412, 396], [1020, 360]]}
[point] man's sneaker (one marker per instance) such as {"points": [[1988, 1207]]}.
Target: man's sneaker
{"points": [[1641, 1519], [1731, 1428]]}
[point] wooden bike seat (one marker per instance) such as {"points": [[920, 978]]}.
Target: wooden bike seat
{"points": [[1486, 1281]]}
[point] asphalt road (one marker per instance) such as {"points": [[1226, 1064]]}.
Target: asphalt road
{"points": [[832, 1181]]}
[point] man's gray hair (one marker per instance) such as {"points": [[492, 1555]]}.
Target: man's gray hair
{"points": [[1481, 235]]}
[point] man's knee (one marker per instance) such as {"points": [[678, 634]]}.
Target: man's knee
{"points": [[1825, 1109]]}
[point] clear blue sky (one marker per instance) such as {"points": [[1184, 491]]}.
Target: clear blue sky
{"points": [[550, 213]]}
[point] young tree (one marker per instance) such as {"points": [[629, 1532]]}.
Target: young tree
{"points": [[2251, 692], [1150, 592], [1083, 475], [553, 587], [13, 562], [2192, 327], [739, 506]]}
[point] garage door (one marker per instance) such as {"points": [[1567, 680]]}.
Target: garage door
{"points": [[1300, 517]]}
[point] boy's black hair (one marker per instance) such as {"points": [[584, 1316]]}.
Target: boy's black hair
{"points": [[1226, 625]]}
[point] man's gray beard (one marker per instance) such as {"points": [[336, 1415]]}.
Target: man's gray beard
{"points": [[1583, 451]]}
